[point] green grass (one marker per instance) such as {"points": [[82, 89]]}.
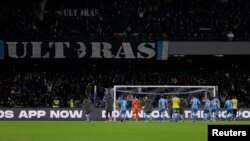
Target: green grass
{"points": [[102, 131]]}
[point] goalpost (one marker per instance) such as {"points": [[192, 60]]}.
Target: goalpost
{"points": [[156, 90]]}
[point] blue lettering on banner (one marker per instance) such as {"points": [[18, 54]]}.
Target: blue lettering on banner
{"points": [[162, 50]]}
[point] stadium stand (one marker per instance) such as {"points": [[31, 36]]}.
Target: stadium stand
{"points": [[29, 84], [37, 84], [219, 20]]}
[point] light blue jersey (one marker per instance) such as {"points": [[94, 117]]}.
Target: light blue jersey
{"points": [[207, 107], [207, 104], [194, 103], [119, 100], [218, 102], [162, 104], [194, 107], [123, 104], [228, 104], [214, 105], [162, 108]]}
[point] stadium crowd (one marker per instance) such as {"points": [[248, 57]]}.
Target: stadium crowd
{"points": [[38, 88], [127, 19], [121, 20]]}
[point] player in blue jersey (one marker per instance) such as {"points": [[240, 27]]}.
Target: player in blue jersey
{"points": [[162, 107], [229, 108], [123, 108], [118, 101], [218, 112], [214, 108], [207, 107], [194, 102]]}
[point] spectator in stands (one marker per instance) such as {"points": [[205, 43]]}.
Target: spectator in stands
{"points": [[190, 20]]}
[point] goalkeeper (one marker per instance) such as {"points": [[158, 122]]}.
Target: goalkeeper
{"points": [[136, 104]]}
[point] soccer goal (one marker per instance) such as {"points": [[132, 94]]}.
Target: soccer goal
{"points": [[155, 91]]}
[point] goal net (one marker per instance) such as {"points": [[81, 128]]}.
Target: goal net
{"points": [[155, 92]]}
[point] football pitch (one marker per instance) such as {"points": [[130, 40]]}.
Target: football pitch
{"points": [[106, 131]]}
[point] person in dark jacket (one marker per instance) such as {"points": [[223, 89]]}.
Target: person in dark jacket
{"points": [[109, 101], [88, 107], [148, 108]]}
